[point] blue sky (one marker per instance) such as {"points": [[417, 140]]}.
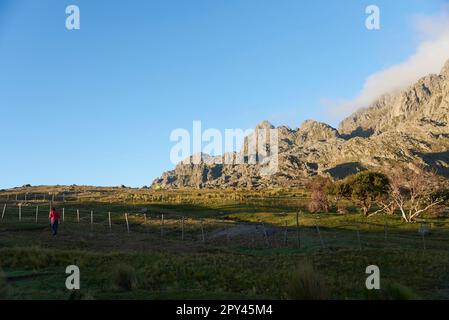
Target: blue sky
{"points": [[96, 106]]}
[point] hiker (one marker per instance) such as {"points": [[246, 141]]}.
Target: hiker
{"points": [[54, 220]]}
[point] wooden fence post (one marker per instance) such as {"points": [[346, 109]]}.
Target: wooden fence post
{"points": [[144, 218], [37, 213], [202, 232], [319, 234], [253, 240], [423, 241], [226, 231], [91, 219], [358, 239], [182, 228], [162, 226], [285, 234], [127, 222], [110, 222], [20, 212], [4, 210], [298, 235], [78, 215], [63, 215], [423, 236], [267, 243]]}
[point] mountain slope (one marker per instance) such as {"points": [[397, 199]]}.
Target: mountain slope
{"points": [[411, 126]]}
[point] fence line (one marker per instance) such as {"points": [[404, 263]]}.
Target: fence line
{"points": [[273, 236], [178, 216]]}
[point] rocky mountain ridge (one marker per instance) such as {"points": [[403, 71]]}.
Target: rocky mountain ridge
{"points": [[411, 126]]}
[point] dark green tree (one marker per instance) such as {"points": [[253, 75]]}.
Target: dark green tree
{"points": [[338, 191], [365, 188]]}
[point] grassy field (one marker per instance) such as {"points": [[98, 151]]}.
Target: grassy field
{"points": [[210, 244]]}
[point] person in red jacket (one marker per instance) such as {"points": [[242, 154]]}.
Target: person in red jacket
{"points": [[54, 220]]}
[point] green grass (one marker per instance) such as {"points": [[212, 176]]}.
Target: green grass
{"points": [[246, 266], [217, 275]]}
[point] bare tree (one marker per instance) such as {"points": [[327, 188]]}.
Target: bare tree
{"points": [[386, 205], [414, 191]]}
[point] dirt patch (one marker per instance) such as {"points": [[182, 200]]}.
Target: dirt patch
{"points": [[241, 230]]}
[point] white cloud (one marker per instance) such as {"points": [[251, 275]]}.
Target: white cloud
{"points": [[430, 56]]}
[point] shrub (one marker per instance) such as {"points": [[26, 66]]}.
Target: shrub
{"points": [[306, 284], [319, 201], [125, 277]]}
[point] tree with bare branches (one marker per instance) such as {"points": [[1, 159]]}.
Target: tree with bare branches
{"points": [[415, 191]]}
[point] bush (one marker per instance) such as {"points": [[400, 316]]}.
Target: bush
{"points": [[392, 291], [125, 277], [319, 201], [306, 284]]}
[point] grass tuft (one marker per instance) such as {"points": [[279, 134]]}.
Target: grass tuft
{"points": [[3, 285], [392, 291], [306, 284], [124, 277]]}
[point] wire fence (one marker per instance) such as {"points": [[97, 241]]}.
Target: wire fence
{"points": [[219, 232]]}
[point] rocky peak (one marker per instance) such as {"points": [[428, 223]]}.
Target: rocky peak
{"points": [[264, 125], [313, 131], [445, 71], [427, 98]]}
